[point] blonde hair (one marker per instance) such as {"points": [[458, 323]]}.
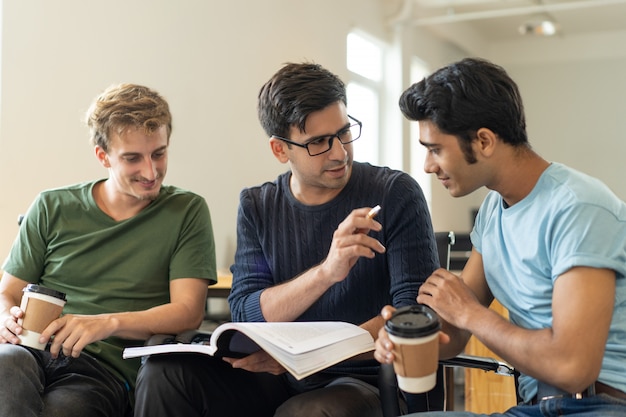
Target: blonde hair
{"points": [[126, 105]]}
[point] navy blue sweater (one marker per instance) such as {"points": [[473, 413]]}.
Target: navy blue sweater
{"points": [[278, 238]]}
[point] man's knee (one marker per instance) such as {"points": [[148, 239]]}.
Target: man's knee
{"points": [[156, 371], [295, 406], [16, 362], [339, 400], [22, 382], [159, 372], [149, 369]]}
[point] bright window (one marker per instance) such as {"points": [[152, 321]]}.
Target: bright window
{"points": [[365, 63], [365, 57], [363, 104]]}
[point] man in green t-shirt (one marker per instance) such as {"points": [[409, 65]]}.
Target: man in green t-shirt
{"points": [[132, 255]]}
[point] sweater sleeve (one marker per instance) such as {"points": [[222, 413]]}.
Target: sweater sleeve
{"points": [[251, 273], [409, 239]]}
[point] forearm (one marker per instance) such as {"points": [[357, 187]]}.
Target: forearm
{"points": [[458, 339], [524, 349], [6, 303], [288, 301], [568, 353], [374, 325], [10, 293], [538, 353], [169, 318]]}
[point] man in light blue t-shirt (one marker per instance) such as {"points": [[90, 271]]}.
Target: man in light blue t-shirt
{"points": [[549, 244]]}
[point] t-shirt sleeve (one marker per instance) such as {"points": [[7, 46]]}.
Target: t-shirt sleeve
{"points": [[194, 256], [27, 254]]}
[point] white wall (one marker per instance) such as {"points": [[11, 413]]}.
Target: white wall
{"points": [[574, 94], [208, 58], [575, 97]]}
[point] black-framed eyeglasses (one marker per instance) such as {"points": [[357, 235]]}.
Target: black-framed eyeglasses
{"points": [[321, 144]]}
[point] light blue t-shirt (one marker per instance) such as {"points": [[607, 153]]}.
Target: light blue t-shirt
{"points": [[569, 219]]}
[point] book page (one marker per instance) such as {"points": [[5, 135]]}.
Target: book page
{"points": [[296, 337], [134, 352]]}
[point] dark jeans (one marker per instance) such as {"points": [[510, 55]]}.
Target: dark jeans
{"points": [[194, 385], [598, 406], [32, 384]]}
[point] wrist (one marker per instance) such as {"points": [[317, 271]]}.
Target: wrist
{"points": [[114, 324], [324, 273]]}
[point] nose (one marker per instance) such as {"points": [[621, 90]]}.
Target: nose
{"points": [[149, 169], [337, 149], [430, 166]]}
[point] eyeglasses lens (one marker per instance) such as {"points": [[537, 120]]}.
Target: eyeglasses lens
{"points": [[324, 144]]}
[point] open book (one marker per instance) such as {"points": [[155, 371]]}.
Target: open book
{"points": [[302, 348]]}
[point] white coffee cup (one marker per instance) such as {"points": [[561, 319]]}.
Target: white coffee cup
{"points": [[41, 306], [414, 332]]}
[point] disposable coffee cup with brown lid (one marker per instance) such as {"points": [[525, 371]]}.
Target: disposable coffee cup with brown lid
{"points": [[41, 306], [414, 331]]}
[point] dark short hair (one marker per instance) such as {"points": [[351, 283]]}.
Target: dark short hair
{"points": [[126, 105], [294, 92], [465, 96]]}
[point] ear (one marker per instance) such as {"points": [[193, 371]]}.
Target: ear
{"points": [[279, 149], [102, 156], [485, 142]]}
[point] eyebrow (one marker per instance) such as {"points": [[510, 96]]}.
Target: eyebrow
{"points": [[426, 144], [162, 148]]}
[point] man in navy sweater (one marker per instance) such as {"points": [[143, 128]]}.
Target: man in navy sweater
{"points": [[307, 251]]}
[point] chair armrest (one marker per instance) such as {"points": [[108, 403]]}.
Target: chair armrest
{"points": [[480, 362], [193, 336], [188, 336], [160, 339]]}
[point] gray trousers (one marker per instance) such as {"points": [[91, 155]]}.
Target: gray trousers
{"points": [[32, 384]]}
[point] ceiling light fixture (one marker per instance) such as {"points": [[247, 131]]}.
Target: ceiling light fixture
{"points": [[539, 28]]}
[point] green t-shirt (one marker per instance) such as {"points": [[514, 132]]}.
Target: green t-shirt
{"points": [[105, 266]]}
